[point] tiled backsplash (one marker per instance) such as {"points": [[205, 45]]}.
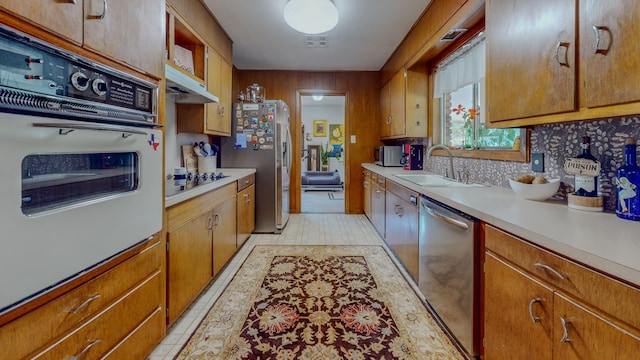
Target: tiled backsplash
{"points": [[558, 142]]}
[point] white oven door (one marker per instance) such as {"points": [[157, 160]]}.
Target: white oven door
{"points": [[73, 194]]}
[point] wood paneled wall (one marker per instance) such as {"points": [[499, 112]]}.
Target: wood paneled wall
{"points": [[361, 89]]}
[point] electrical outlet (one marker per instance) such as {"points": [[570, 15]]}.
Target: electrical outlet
{"points": [[537, 162]]}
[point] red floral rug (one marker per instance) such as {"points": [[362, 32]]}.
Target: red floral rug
{"points": [[318, 302]]}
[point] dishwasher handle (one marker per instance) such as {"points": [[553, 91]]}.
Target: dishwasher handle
{"points": [[453, 222]]}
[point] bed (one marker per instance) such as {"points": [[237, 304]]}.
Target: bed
{"points": [[321, 180]]}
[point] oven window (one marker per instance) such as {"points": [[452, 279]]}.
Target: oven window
{"points": [[52, 182]]}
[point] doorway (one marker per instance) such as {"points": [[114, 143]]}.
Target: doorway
{"points": [[323, 118]]}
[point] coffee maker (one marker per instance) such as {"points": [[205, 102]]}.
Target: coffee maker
{"points": [[412, 156]]}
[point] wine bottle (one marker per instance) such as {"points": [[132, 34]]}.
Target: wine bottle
{"points": [[627, 182], [586, 185]]}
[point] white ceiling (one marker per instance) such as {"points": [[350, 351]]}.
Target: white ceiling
{"points": [[367, 33]]}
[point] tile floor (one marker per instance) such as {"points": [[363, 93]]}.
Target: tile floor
{"points": [[302, 229]]}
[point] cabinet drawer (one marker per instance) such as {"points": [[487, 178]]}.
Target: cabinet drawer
{"points": [[53, 319], [142, 341], [610, 295], [380, 180], [108, 328], [408, 196], [246, 181], [181, 213]]}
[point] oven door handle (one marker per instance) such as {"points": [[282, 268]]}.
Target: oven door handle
{"points": [[65, 129], [453, 222]]}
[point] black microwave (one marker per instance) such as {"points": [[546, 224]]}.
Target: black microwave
{"points": [[388, 155]]}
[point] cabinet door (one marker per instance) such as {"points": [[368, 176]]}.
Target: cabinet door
{"points": [[397, 105], [218, 114], [132, 32], [609, 48], [402, 232], [246, 214], [583, 335], [224, 233], [512, 302], [378, 208], [367, 194], [385, 110], [189, 263], [63, 18], [531, 67]]}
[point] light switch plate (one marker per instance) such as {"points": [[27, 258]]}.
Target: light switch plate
{"points": [[537, 162]]}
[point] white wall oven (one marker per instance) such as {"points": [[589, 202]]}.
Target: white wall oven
{"points": [[80, 166]]}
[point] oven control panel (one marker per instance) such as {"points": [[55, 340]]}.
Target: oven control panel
{"points": [[35, 67]]}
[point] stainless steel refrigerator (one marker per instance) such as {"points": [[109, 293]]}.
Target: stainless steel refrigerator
{"points": [[261, 139]]}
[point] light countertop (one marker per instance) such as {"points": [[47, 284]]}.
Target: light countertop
{"points": [[174, 194], [597, 239]]}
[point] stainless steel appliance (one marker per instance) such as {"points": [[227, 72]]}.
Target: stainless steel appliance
{"points": [[449, 269], [388, 155], [261, 139], [81, 162]]}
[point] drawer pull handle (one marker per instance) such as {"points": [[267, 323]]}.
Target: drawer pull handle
{"points": [[85, 303], [564, 62], [552, 270], [84, 351], [565, 331], [535, 319], [598, 49]]}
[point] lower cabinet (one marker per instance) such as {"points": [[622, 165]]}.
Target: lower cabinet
{"points": [[366, 193], [201, 237], [118, 312], [246, 208], [378, 208], [402, 220], [540, 305]]}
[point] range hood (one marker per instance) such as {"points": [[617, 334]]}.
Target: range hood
{"points": [[185, 89]]}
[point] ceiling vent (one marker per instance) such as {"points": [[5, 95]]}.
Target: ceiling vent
{"points": [[453, 34], [316, 41]]}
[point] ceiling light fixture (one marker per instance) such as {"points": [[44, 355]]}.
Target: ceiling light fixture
{"points": [[317, 97], [311, 16]]}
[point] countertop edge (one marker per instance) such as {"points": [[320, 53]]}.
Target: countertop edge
{"points": [[586, 237], [183, 195]]}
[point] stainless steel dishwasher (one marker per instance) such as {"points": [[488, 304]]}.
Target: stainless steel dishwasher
{"points": [[449, 270]]}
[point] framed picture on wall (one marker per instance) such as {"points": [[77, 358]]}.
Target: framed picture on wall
{"points": [[320, 128]]}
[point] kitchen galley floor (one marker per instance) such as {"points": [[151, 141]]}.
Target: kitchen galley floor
{"points": [[302, 229]]}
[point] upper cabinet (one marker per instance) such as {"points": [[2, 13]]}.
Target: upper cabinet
{"points": [[61, 18], [541, 70], [127, 32], [531, 68], [218, 115], [403, 104], [609, 48]]}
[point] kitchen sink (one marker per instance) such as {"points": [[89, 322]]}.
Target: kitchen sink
{"points": [[434, 180]]}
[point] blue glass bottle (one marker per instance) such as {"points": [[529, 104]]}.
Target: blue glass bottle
{"points": [[627, 184]]}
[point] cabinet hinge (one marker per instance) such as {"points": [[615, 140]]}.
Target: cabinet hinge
{"points": [[166, 310], [167, 246]]}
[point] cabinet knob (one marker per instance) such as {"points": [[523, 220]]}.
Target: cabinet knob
{"points": [[598, 30]]}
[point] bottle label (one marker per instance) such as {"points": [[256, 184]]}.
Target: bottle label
{"points": [[586, 183], [580, 166], [628, 206]]}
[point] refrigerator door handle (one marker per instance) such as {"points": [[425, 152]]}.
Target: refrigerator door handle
{"points": [[286, 148]]}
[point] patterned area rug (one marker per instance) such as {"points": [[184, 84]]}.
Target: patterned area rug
{"points": [[318, 302]]}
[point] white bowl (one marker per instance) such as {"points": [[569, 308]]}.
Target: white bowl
{"points": [[538, 192]]}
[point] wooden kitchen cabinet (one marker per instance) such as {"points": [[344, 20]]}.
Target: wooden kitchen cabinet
{"points": [[403, 104], [366, 193], [378, 201], [189, 263], [63, 19], [246, 216], [579, 62], [531, 65], [597, 313], [401, 225], [122, 307], [224, 232], [201, 237], [218, 115]]}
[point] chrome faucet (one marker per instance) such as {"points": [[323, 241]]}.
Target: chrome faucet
{"points": [[450, 173]]}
